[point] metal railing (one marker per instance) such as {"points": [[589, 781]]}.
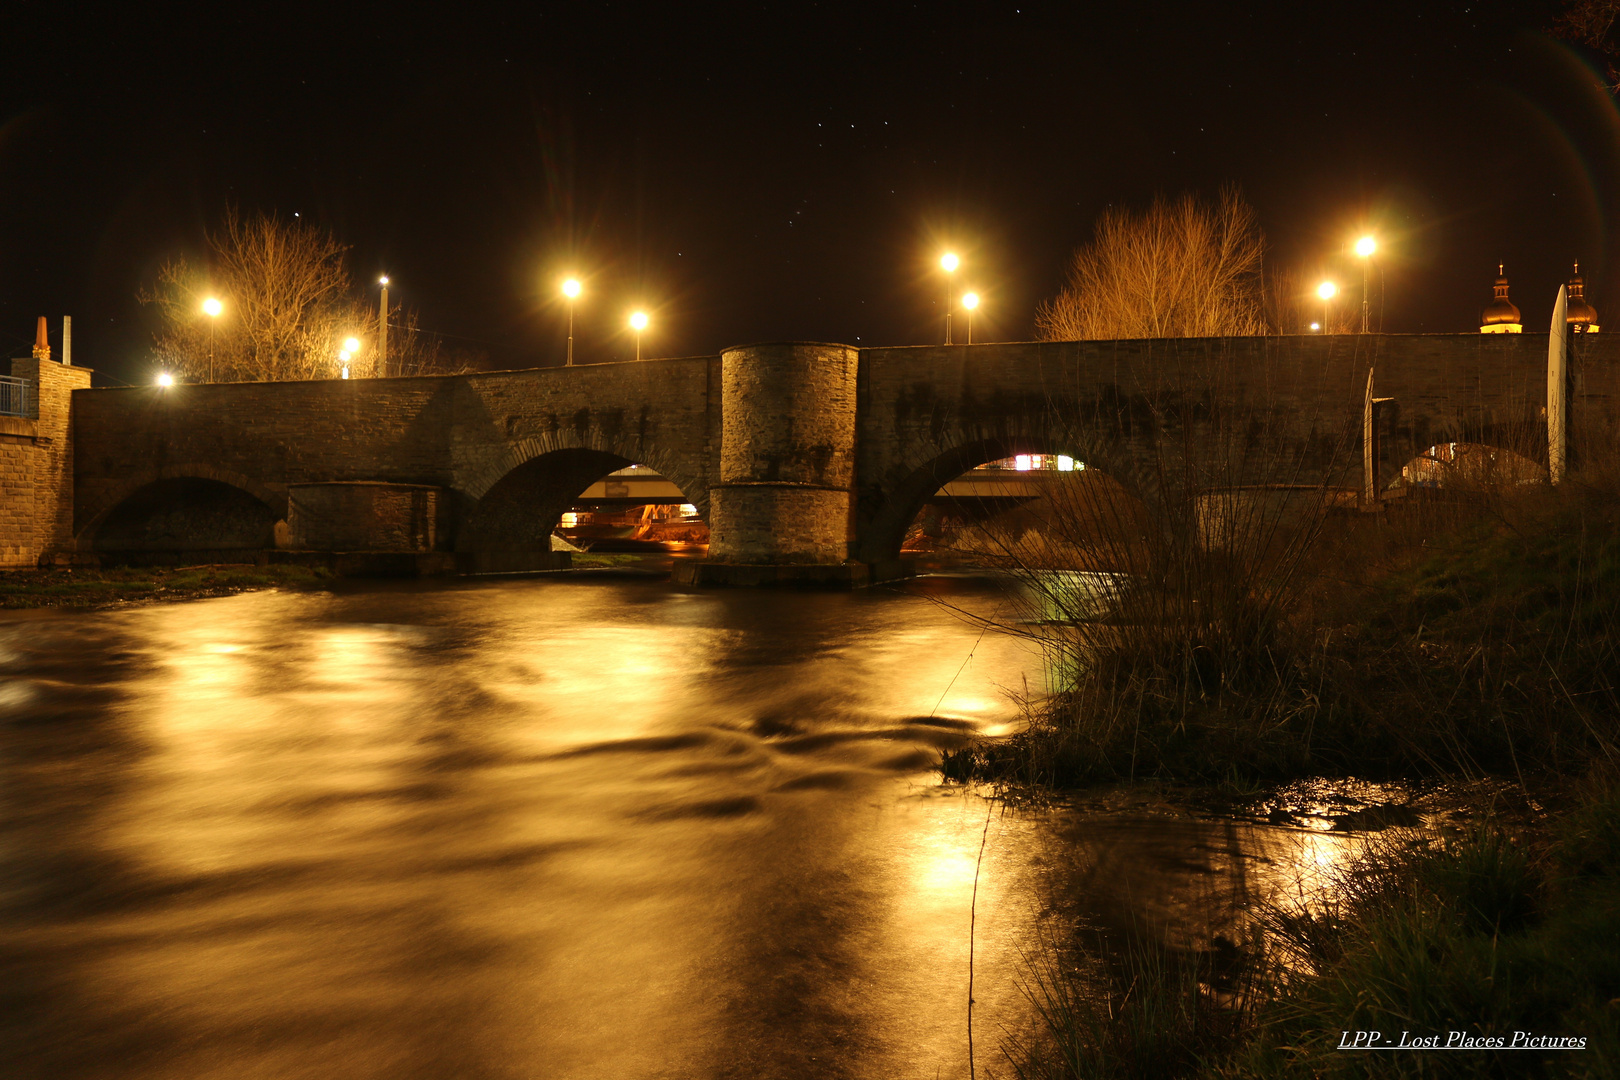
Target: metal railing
{"points": [[17, 398]]}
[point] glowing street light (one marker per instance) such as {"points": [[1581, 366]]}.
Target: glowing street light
{"points": [[638, 323], [950, 262], [211, 307], [970, 301], [352, 344], [1327, 290], [1365, 248], [571, 290], [382, 329], [165, 380]]}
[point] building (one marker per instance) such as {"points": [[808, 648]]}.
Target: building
{"points": [[1500, 315], [1580, 315]]}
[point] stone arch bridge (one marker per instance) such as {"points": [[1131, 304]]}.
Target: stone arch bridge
{"points": [[807, 460]]}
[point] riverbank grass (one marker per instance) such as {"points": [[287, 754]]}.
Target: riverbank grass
{"points": [[91, 588], [1497, 934], [1481, 640]]}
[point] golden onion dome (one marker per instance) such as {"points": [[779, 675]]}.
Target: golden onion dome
{"points": [[1577, 311], [1501, 309]]}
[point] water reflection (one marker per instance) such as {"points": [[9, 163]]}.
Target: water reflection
{"points": [[529, 828]]}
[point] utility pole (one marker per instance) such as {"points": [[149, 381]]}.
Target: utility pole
{"points": [[382, 332]]}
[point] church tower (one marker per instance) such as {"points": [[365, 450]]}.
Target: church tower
{"points": [[1500, 315], [1581, 316]]}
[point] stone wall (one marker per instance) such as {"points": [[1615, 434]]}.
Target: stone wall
{"points": [[36, 466], [818, 453], [363, 517], [17, 454], [929, 413], [461, 433]]}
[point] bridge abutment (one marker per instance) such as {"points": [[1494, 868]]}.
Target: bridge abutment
{"points": [[782, 508]]}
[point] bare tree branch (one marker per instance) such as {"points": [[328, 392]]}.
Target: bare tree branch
{"points": [[288, 307], [1180, 269]]}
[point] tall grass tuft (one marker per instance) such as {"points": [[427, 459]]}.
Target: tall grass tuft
{"points": [[1266, 630]]}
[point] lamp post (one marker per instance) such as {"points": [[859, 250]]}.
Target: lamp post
{"points": [[1365, 248], [950, 262], [211, 307], [382, 329], [638, 323], [970, 301], [1326, 291], [571, 290]]}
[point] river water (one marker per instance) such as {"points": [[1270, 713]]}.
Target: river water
{"points": [[546, 827]]}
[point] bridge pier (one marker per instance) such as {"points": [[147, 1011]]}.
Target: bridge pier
{"points": [[782, 509]]}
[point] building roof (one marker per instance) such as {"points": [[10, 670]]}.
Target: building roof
{"points": [[1501, 309]]}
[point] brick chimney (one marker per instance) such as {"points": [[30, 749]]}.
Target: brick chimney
{"points": [[42, 343]]}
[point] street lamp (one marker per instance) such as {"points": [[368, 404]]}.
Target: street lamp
{"points": [[165, 380], [382, 329], [638, 322], [211, 307], [970, 301], [1326, 291], [1365, 248], [950, 262], [571, 290]]}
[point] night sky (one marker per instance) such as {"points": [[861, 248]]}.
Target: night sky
{"points": [[782, 171]]}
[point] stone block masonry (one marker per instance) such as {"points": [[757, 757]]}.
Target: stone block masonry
{"points": [[798, 455], [36, 466], [363, 517]]}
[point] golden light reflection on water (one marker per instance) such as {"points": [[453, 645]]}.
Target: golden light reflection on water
{"points": [[535, 828]]}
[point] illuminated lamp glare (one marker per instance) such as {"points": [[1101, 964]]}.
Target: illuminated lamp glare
{"points": [[1326, 290], [639, 320], [950, 262], [970, 300], [212, 307], [352, 344], [571, 288], [164, 379], [1366, 246], [1065, 463]]}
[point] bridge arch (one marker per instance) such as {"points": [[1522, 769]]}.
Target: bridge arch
{"points": [[520, 508], [86, 526], [207, 512], [1469, 466], [519, 453], [885, 530]]}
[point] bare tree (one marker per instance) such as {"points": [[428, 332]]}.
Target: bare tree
{"points": [[1591, 23], [287, 308], [1186, 268]]}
